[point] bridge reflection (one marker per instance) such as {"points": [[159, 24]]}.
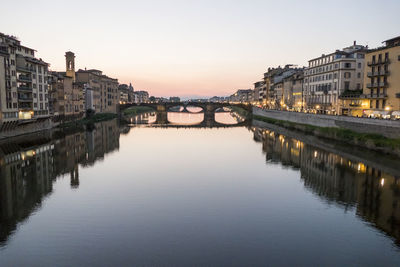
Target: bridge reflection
{"points": [[208, 109], [371, 191]]}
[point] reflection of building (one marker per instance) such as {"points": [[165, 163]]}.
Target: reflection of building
{"points": [[351, 185], [29, 167]]}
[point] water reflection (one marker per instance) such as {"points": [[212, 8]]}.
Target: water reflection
{"points": [[29, 166], [215, 198], [143, 118], [373, 193], [185, 118]]}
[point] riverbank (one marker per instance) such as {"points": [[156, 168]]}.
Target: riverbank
{"points": [[374, 142], [98, 117], [137, 110]]}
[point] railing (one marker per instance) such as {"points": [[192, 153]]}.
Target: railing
{"points": [[375, 96], [382, 61], [24, 78], [378, 73], [25, 98], [24, 88], [28, 69], [375, 85]]}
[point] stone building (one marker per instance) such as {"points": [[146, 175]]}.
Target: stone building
{"points": [[23, 82], [272, 92], [105, 89], [259, 91], [329, 76], [242, 96], [381, 92], [66, 95], [293, 91], [141, 96]]}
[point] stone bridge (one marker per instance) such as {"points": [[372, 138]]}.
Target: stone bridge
{"points": [[208, 108]]}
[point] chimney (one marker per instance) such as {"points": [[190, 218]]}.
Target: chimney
{"points": [[355, 43]]}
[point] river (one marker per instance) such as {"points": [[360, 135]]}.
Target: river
{"points": [[144, 195]]}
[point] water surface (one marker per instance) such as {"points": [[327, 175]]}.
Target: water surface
{"points": [[234, 196]]}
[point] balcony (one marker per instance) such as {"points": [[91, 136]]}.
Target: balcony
{"points": [[379, 62], [24, 89], [22, 98], [378, 73], [24, 78], [376, 85], [25, 69], [375, 96]]}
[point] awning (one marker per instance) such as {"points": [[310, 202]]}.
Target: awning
{"points": [[396, 113]]}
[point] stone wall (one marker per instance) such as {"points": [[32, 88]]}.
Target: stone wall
{"points": [[388, 128]]}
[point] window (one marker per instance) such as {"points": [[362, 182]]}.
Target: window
{"points": [[347, 75], [335, 76], [41, 105], [346, 85], [359, 65], [40, 87], [398, 57], [359, 75], [347, 65], [13, 72], [358, 86]]}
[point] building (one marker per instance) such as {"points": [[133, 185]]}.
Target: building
{"points": [[293, 91], [23, 82], [141, 97], [242, 96], [329, 76], [259, 89], [174, 99], [272, 91], [380, 96], [66, 95], [126, 94], [218, 99], [105, 89]]}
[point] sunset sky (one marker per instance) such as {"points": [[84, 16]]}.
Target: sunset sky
{"points": [[189, 48]]}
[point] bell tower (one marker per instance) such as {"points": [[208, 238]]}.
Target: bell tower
{"points": [[70, 64]]}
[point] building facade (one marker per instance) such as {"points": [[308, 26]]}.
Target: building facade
{"points": [[23, 82], [105, 89], [380, 96], [259, 91], [293, 91], [242, 96], [329, 76]]}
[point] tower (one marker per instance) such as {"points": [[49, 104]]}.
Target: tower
{"points": [[70, 64]]}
